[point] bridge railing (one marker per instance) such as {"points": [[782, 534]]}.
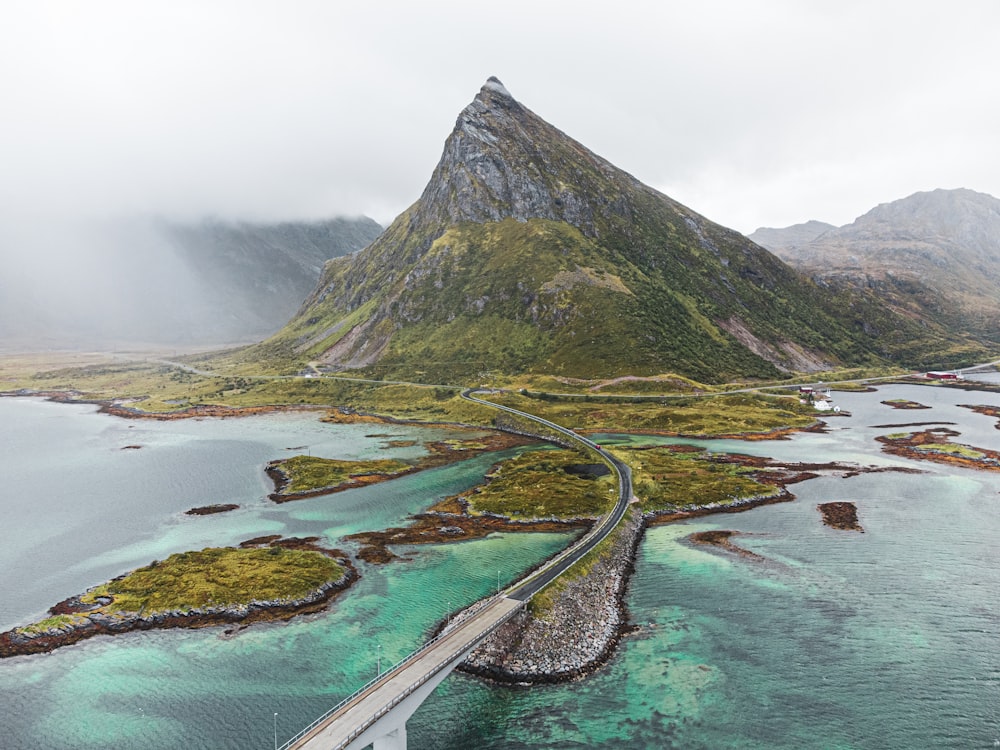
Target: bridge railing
{"points": [[621, 473], [394, 669]]}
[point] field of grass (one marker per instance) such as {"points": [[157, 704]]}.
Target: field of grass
{"points": [[541, 484], [731, 414], [666, 480], [218, 576]]}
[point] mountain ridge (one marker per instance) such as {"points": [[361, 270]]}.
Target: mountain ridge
{"points": [[526, 252], [934, 254]]}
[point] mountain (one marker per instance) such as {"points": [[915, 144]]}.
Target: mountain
{"points": [[259, 274], [935, 255], [789, 237], [527, 252], [153, 283]]}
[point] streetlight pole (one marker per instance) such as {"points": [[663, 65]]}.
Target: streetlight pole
{"points": [[275, 730], [378, 660], [498, 583]]}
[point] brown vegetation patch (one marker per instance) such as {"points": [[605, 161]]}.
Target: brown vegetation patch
{"points": [[207, 510], [935, 445], [840, 515], [721, 539]]}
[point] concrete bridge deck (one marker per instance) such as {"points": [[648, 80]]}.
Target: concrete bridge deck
{"points": [[376, 715], [346, 726]]}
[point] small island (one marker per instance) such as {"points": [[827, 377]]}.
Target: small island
{"points": [[904, 403], [301, 477], [840, 515], [213, 586], [721, 539], [208, 510], [935, 445]]}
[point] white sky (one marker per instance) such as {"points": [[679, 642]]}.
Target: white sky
{"points": [[753, 113]]}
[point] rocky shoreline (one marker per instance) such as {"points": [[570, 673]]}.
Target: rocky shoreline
{"points": [[578, 634], [81, 620], [722, 539], [589, 617]]}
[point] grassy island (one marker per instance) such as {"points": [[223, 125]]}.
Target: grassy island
{"points": [[670, 478], [904, 403], [936, 445], [305, 476], [544, 484], [218, 576], [192, 589]]}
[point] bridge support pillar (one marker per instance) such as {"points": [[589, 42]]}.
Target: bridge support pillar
{"points": [[394, 740], [389, 732]]}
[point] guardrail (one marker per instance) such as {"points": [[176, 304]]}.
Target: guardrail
{"points": [[395, 669], [624, 486]]}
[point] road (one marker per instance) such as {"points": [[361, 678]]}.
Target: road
{"points": [[527, 588], [346, 721]]}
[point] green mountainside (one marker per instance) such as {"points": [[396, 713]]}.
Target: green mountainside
{"points": [[528, 253], [934, 255]]}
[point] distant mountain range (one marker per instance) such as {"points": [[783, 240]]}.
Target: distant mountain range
{"points": [[934, 255], [142, 283], [527, 252]]}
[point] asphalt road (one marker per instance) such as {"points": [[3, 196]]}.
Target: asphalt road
{"points": [[556, 567]]}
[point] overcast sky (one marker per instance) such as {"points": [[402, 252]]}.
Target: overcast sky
{"points": [[752, 113]]}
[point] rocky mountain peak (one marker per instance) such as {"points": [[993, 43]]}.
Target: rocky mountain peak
{"points": [[503, 161], [493, 86]]}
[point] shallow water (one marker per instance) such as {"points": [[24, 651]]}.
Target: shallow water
{"points": [[886, 639], [838, 640]]}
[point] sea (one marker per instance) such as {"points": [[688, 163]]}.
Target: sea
{"points": [[888, 638]]}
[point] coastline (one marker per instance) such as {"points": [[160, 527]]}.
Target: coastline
{"points": [[80, 620], [589, 617]]}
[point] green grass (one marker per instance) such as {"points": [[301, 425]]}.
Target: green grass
{"points": [[219, 576], [308, 473], [742, 413], [536, 484], [665, 480], [950, 448], [56, 622]]}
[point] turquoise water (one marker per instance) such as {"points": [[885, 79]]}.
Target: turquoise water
{"points": [[79, 509], [885, 639]]}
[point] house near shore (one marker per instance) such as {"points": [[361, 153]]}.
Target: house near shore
{"points": [[940, 375]]}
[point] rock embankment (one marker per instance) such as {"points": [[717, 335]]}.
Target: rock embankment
{"points": [[577, 633]]}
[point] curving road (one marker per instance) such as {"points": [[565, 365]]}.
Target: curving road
{"points": [[527, 588], [345, 725]]}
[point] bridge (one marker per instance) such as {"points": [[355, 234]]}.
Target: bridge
{"points": [[377, 713]]}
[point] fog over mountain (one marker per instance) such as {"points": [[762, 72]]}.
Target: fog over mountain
{"points": [[152, 282]]}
